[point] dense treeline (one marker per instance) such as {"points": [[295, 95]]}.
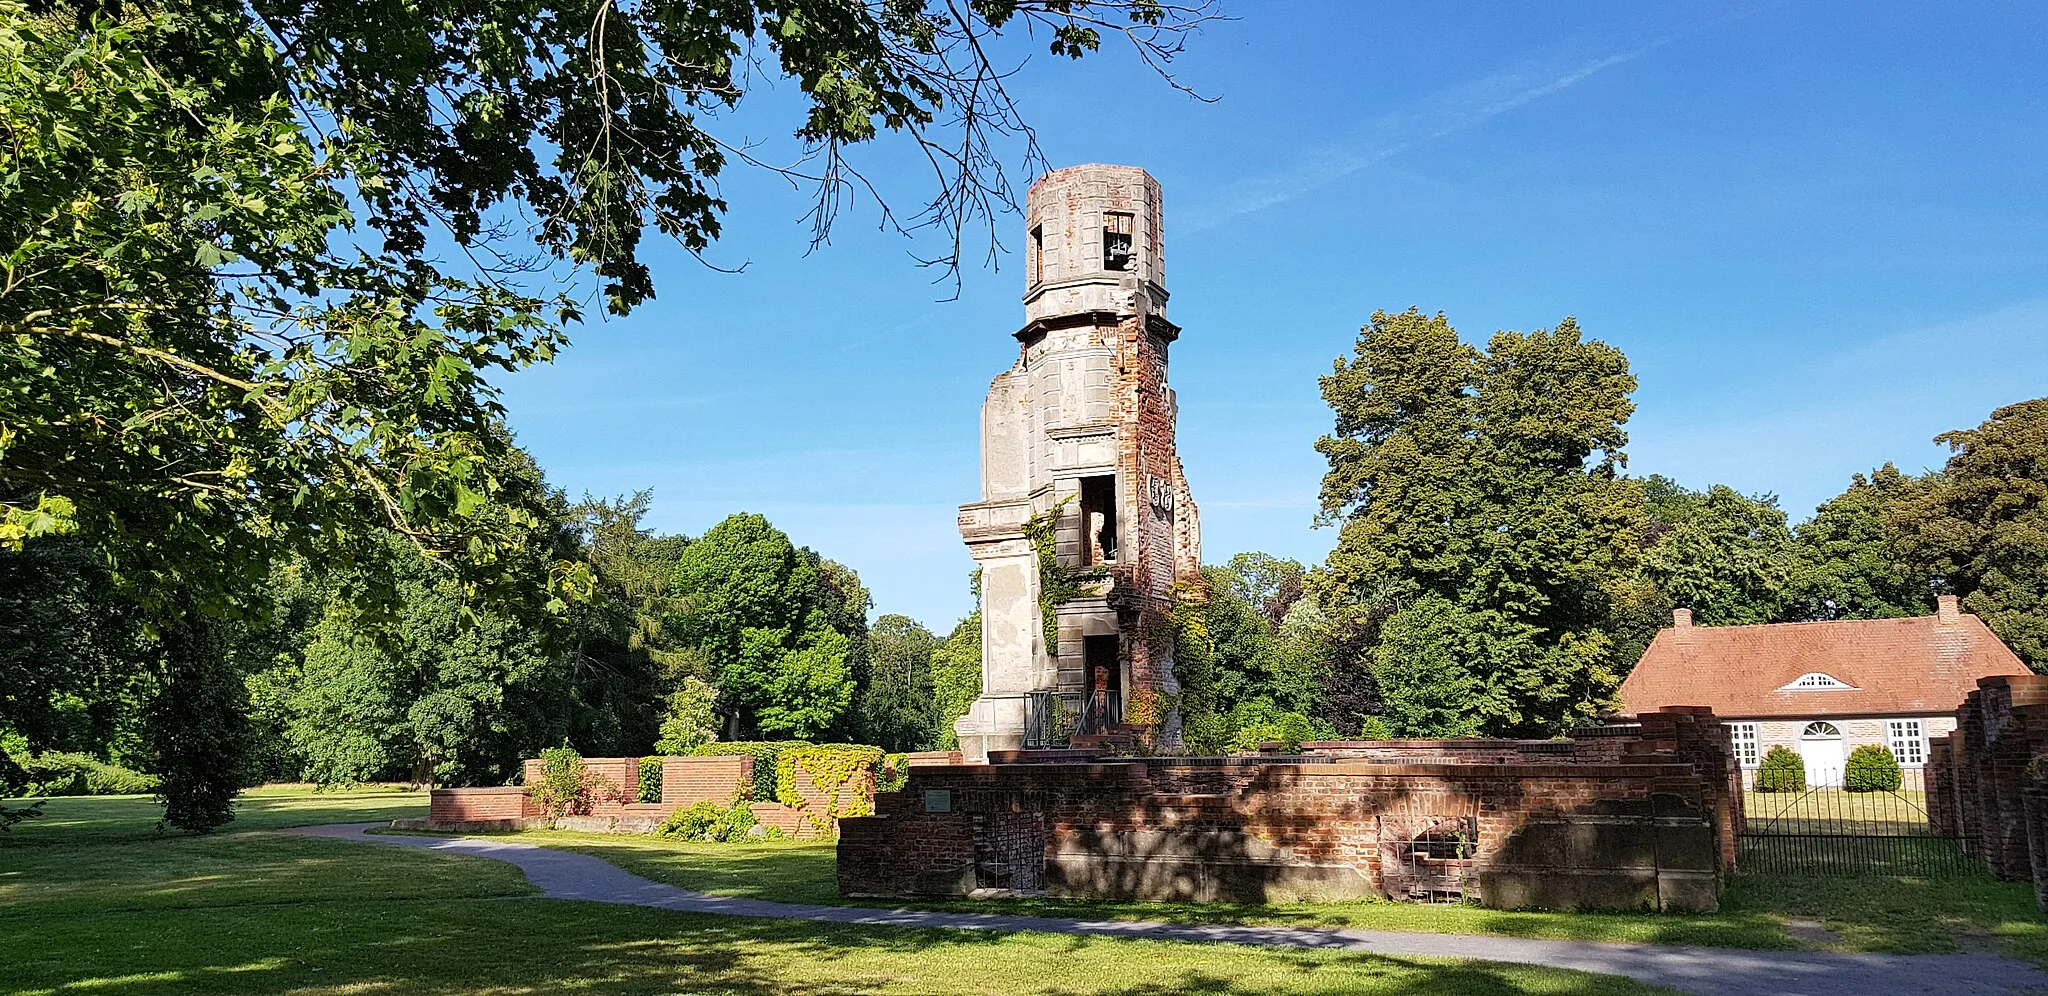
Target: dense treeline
{"points": [[677, 641], [1497, 572]]}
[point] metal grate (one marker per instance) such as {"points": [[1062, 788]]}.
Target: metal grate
{"points": [[1830, 831]]}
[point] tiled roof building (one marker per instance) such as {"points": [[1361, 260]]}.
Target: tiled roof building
{"points": [[1823, 688]]}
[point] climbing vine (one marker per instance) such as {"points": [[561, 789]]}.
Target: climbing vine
{"points": [[1058, 583], [829, 767], [895, 773], [650, 779]]}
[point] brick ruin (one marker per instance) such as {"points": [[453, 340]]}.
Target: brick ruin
{"points": [[685, 781], [1083, 423], [1634, 817], [1987, 782]]}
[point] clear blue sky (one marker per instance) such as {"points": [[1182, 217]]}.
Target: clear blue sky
{"points": [[1819, 231]]}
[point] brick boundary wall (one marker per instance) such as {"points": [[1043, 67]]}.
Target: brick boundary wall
{"points": [[1987, 782], [477, 805], [1648, 822], [686, 781]]}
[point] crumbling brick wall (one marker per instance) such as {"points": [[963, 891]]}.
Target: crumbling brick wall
{"points": [[1984, 779], [1652, 829]]}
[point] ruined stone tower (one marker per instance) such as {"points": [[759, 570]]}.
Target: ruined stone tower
{"points": [[1083, 425]]}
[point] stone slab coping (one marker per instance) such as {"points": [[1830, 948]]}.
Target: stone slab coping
{"points": [[488, 790]]}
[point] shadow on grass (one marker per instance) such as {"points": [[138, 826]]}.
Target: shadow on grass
{"points": [[528, 946]]}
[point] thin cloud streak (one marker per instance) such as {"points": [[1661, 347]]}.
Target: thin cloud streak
{"points": [[1452, 111]]}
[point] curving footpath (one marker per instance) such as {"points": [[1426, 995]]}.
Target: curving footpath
{"points": [[1706, 971]]}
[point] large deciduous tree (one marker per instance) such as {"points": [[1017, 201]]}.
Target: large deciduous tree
{"points": [[754, 607], [1728, 557], [1849, 561], [899, 709], [1488, 484], [230, 328], [1981, 527]]}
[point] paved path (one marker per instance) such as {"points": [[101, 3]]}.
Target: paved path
{"points": [[1707, 971]]}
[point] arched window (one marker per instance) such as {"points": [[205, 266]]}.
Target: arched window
{"points": [[1820, 731], [1813, 680]]}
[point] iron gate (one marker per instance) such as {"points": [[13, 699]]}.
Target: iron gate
{"points": [[1828, 830]]}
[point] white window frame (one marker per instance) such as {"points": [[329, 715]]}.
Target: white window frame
{"points": [[1743, 737], [1907, 739]]}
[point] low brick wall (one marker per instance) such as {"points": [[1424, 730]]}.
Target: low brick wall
{"points": [[686, 781], [1647, 820], [477, 805], [621, 782]]}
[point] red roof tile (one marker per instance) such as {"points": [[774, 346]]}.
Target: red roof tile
{"points": [[1897, 666]]}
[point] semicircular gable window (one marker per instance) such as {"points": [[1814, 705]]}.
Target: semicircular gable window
{"points": [[1814, 680]]}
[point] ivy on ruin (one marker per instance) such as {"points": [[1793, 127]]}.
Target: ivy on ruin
{"points": [[1058, 583]]}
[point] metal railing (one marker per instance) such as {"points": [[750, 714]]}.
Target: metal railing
{"points": [[1051, 718]]}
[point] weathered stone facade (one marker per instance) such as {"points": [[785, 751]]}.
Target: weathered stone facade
{"points": [[1084, 423], [1645, 818]]}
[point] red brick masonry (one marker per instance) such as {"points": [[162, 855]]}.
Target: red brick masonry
{"points": [[1643, 819], [1987, 782]]}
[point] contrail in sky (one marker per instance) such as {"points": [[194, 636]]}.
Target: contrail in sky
{"points": [[1450, 112]]}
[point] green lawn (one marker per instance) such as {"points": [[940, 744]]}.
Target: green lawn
{"points": [[1896, 913], [74, 820], [92, 899]]}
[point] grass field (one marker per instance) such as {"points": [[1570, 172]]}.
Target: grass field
{"points": [[93, 899]]}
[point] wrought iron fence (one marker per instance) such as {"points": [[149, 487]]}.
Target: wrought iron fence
{"points": [[1825, 829], [1051, 718]]}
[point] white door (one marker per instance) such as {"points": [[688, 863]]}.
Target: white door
{"points": [[1820, 746]]}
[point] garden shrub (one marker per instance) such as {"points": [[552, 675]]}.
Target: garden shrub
{"points": [[709, 822], [1375, 728], [1259, 721], [650, 779], [829, 766], [62, 773], [566, 787], [1871, 768], [766, 755], [1782, 771]]}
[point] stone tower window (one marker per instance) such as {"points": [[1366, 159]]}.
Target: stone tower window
{"points": [[1098, 520], [1116, 241], [1038, 254]]}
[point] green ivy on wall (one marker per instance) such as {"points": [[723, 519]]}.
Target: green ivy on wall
{"points": [[1058, 583], [830, 766]]}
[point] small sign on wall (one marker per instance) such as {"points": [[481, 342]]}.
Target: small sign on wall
{"points": [[938, 800]]}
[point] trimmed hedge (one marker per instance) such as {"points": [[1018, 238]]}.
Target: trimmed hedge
{"points": [[766, 755], [1871, 768], [1782, 771], [64, 773]]}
